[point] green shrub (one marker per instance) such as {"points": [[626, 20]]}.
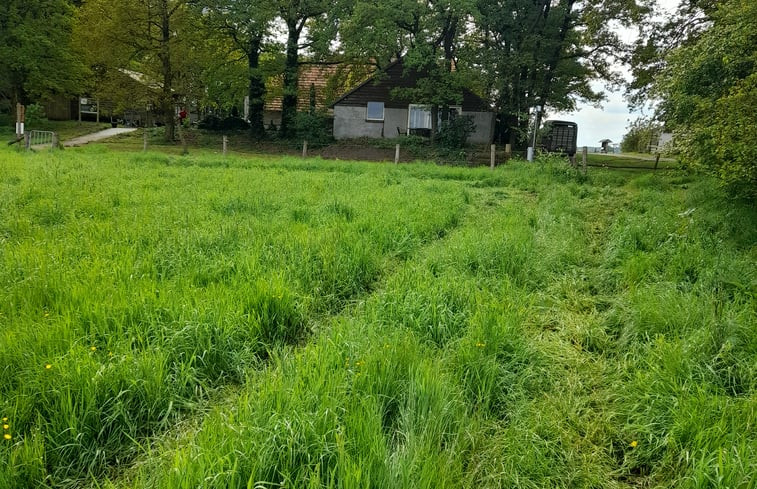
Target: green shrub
{"points": [[313, 128], [35, 115], [454, 133]]}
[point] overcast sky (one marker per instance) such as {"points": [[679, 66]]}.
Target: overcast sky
{"points": [[610, 121]]}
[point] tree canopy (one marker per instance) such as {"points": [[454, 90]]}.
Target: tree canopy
{"points": [[36, 55], [702, 67]]}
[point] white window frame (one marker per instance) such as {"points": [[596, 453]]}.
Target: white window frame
{"points": [[410, 108], [456, 108], [373, 119]]}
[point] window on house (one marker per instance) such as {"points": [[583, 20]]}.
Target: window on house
{"points": [[419, 116], [375, 111]]}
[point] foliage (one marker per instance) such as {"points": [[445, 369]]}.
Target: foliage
{"points": [[157, 48], [708, 92], [214, 123], [36, 55], [246, 26], [35, 115], [313, 127], [455, 132], [642, 133], [546, 54]]}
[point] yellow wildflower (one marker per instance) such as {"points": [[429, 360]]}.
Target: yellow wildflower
{"points": [[634, 444], [6, 426], [7, 436], [93, 348], [5, 420], [480, 345], [48, 366]]}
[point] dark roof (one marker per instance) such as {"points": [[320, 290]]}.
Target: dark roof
{"points": [[379, 87]]}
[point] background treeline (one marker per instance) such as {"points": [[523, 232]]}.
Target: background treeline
{"points": [[518, 54]]}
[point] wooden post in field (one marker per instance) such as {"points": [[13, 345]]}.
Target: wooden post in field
{"points": [[493, 157], [27, 140], [656, 161], [508, 151], [144, 140], [20, 119], [305, 149], [55, 140], [225, 144], [584, 153], [397, 154]]}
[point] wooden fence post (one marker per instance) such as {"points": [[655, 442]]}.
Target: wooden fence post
{"points": [[583, 158], [225, 144], [508, 151], [305, 149], [27, 140], [656, 161], [493, 157], [55, 140], [144, 140], [397, 154]]}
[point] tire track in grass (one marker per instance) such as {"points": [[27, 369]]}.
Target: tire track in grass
{"points": [[82, 359], [360, 383], [229, 404], [114, 372]]}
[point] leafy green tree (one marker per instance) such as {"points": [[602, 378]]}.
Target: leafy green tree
{"points": [[298, 16], [546, 53], [247, 24], [158, 39], [642, 133], [708, 93], [36, 55]]}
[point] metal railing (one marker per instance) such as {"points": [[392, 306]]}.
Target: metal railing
{"points": [[40, 140]]}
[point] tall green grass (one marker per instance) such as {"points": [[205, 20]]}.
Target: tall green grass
{"points": [[300, 323]]}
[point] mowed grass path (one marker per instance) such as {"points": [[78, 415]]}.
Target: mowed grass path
{"points": [[207, 322]]}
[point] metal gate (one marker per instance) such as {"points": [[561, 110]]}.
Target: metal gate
{"points": [[41, 140]]}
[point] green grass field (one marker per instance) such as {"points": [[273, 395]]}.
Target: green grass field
{"points": [[271, 322]]}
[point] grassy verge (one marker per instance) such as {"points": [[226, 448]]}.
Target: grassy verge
{"points": [[381, 326], [630, 161], [66, 129]]}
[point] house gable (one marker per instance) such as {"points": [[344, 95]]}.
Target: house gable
{"points": [[380, 87]]}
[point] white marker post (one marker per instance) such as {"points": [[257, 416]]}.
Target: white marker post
{"points": [[20, 118]]}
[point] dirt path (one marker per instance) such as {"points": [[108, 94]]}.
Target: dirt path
{"points": [[97, 136]]}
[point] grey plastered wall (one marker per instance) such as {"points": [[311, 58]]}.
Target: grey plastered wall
{"points": [[394, 118], [349, 122], [484, 131]]}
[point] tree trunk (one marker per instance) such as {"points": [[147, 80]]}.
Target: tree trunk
{"points": [[291, 80], [166, 96], [256, 89]]}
